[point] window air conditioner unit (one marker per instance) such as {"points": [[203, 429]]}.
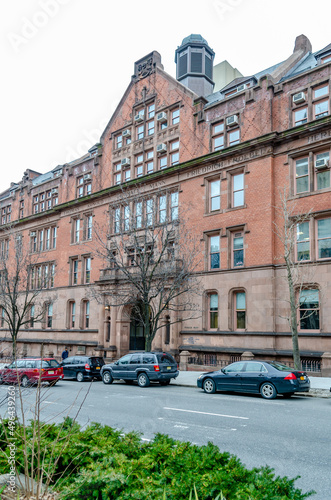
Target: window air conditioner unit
{"points": [[54, 191], [139, 117], [322, 163], [87, 177], [161, 148], [299, 97], [241, 87], [33, 233], [126, 133], [232, 120], [162, 117], [125, 162]]}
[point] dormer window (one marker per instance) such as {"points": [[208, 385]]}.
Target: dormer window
{"points": [[326, 59]]}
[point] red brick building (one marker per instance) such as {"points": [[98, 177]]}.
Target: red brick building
{"points": [[228, 155]]}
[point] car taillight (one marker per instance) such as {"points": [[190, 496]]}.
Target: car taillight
{"points": [[87, 367], [156, 368], [291, 376], [37, 371]]}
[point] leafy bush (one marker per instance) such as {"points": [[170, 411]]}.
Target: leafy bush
{"points": [[101, 463]]}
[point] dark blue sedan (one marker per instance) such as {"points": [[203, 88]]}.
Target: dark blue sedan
{"points": [[268, 378]]}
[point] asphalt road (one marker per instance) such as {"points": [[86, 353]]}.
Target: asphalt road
{"points": [[290, 435]]}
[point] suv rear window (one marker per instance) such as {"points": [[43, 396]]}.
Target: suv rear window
{"points": [[148, 359], [97, 361], [165, 359]]}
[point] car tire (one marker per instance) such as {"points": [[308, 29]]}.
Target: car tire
{"points": [[209, 386], [143, 380], [80, 377], [164, 382], [288, 394], [268, 390], [107, 377], [25, 381]]}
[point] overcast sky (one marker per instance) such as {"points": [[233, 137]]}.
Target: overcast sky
{"points": [[66, 63]]}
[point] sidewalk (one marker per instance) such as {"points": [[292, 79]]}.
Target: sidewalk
{"points": [[319, 386]]}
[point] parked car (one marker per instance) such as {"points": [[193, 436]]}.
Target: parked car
{"points": [[143, 367], [28, 371], [267, 378], [82, 367]]}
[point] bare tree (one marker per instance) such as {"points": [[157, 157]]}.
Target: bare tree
{"points": [[299, 271], [151, 260], [22, 278]]}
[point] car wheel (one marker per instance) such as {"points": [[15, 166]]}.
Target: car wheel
{"points": [[80, 377], [209, 386], [164, 382], [143, 380], [288, 394], [24, 381], [268, 391], [107, 378]]}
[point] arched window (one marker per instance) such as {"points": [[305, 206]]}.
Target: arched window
{"points": [[212, 311], [239, 310], [309, 309]]}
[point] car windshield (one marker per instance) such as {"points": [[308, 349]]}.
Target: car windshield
{"points": [[280, 366]]}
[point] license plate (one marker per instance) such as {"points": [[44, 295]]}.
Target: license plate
{"points": [[51, 373], [168, 367], [302, 378], [97, 367]]}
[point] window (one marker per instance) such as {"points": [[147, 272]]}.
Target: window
{"points": [[4, 249], [302, 175], [322, 174], [150, 162], [6, 214], [74, 271], [240, 310], [309, 314], [300, 116], [42, 275], [140, 132], [238, 190], [118, 141], [88, 221], [324, 238], [139, 214], [151, 111], [76, 230], [150, 127], [86, 314], [117, 173], [162, 209], [139, 165], [321, 101], [303, 242], [87, 270], [174, 206], [234, 137], [21, 209], [43, 201], [215, 195], [127, 175], [72, 314], [214, 250], [84, 185], [175, 116], [174, 155], [117, 219], [213, 311], [218, 136], [163, 161], [49, 315], [150, 212], [2, 317], [237, 249], [126, 218]]}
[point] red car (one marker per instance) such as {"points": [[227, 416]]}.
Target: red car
{"points": [[29, 370]]}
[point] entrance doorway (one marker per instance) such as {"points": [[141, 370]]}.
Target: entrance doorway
{"points": [[137, 333]]}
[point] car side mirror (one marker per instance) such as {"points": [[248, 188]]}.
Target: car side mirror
{"points": [[223, 371], [6, 366], [116, 363]]}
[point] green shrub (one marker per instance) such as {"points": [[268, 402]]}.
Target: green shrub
{"points": [[101, 463]]}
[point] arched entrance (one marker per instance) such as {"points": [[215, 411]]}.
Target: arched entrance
{"points": [[137, 330]]}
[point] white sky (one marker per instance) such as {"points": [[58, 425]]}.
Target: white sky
{"points": [[66, 63]]}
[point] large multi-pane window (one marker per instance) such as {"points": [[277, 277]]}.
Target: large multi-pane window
{"points": [[213, 311], [323, 170], [84, 185], [303, 241], [174, 206], [214, 251], [321, 101], [218, 136], [162, 208], [324, 238], [309, 310], [300, 116], [6, 214], [42, 275]]}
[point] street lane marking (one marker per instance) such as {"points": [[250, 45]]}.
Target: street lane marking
{"points": [[206, 413]]}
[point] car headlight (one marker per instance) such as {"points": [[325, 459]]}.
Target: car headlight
{"points": [[200, 376]]}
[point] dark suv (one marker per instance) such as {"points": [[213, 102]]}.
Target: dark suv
{"points": [[143, 367], [82, 367]]}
